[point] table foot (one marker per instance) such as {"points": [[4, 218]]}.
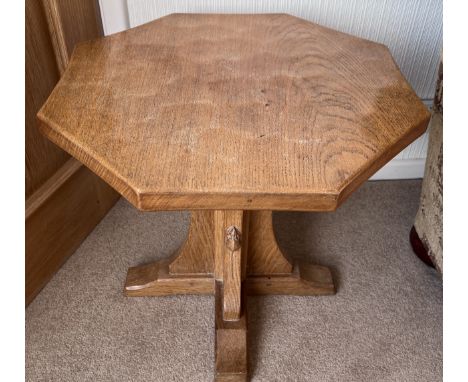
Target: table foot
{"points": [[188, 271], [304, 280], [155, 280], [230, 343], [269, 271]]}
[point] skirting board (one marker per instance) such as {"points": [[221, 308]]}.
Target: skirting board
{"points": [[401, 169], [59, 216]]}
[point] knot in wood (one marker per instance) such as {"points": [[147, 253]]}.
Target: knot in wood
{"points": [[233, 238]]}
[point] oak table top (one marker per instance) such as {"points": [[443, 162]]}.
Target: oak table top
{"points": [[214, 111], [232, 116]]}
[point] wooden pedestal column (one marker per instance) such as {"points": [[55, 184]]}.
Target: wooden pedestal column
{"points": [[230, 254]]}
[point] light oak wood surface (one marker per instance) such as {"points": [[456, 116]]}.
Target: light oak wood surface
{"points": [[231, 358], [246, 112], [232, 116], [265, 257], [196, 256]]}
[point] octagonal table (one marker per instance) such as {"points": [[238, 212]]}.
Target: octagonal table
{"points": [[231, 117]]}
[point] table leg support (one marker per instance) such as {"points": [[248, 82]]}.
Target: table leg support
{"points": [[269, 271], [155, 280], [230, 254], [230, 307], [188, 271], [230, 342]]}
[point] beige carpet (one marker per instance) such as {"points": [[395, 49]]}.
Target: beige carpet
{"points": [[384, 324]]}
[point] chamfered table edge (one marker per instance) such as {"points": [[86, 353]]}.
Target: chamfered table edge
{"points": [[166, 201]]}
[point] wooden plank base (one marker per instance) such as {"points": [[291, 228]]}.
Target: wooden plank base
{"points": [[305, 280], [155, 280], [245, 260], [230, 342]]}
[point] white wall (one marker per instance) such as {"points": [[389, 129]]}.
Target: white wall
{"points": [[412, 29], [114, 15]]}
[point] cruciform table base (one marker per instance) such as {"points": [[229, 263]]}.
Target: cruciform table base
{"points": [[229, 254]]}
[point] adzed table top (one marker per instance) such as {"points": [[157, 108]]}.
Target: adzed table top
{"points": [[214, 111]]}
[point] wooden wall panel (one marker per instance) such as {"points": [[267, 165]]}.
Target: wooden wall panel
{"points": [[71, 21], [81, 21], [64, 200], [53, 27], [43, 158], [59, 218]]}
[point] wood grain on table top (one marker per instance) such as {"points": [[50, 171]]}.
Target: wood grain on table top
{"points": [[233, 112]]}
